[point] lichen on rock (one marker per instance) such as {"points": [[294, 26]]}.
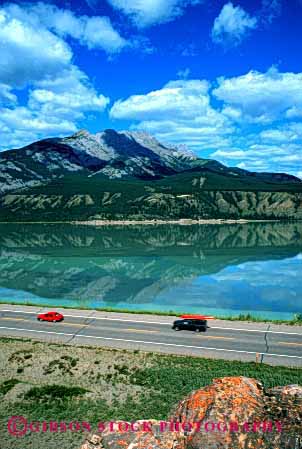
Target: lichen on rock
{"points": [[232, 413]]}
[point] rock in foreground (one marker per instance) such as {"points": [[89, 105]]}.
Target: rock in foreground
{"points": [[232, 413]]}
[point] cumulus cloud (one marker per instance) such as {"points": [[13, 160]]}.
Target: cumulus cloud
{"points": [[54, 107], [37, 61], [180, 112], [269, 157], [146, 13], [177, 98], [271, 149], [93, 32], [262, 97], [276, 135], [70, 95], [32, 43], [6, 95], [28, 53], [283, 134], [249, 127], [23, 119], [232, 25]]}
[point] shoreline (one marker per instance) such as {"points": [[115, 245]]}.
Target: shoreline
{"points": [[182, 221], [241, 317]]}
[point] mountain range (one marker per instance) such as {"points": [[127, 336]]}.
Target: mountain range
{"points": [[130, 175]]}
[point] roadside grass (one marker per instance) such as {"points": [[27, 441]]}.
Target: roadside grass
{"points": [[100, 384], [164, 384], [162, 380], [295, 321]]}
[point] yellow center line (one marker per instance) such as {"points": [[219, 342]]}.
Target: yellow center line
{"points": [[146, 331], [221, 338], [60, 323], [13, 319], [289, 343], [72, 324]]}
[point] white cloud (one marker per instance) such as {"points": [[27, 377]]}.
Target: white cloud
{"points": [[53, 109], [294, 112], [232, 24], [93, 32], [100, 34], [249, 128], [23, 119], [146, 13], [32, 42], [180, 112], [22, 125], [34, 57], [272, 156], [177, 98], [283, 134], [28, 53], [6, 95], [70, 95], [262, 97]]}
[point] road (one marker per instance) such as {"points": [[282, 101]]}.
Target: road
{"points": [[276, 345]]}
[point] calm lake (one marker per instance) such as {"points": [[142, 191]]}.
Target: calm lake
{"points": [[214, 269]]}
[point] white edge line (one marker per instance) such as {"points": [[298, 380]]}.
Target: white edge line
{"points": [[256, 330], [157, 322], [151, 342]]}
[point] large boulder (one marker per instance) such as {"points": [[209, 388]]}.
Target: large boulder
{"points": [[232, 413], [224, 410], [237, 413]]}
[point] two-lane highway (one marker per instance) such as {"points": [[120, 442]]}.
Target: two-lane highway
{"points": [[282, 347]]}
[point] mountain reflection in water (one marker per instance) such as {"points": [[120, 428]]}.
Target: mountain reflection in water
{"points": [[222, 269]]}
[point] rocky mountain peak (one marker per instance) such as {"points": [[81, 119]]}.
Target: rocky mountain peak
{"points": [[81, 133], [129, 142], [126, 155]]}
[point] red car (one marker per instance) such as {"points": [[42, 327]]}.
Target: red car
{"points": [[50, 316]]}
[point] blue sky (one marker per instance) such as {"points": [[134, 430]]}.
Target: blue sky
{"points": [[223, 78]]}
